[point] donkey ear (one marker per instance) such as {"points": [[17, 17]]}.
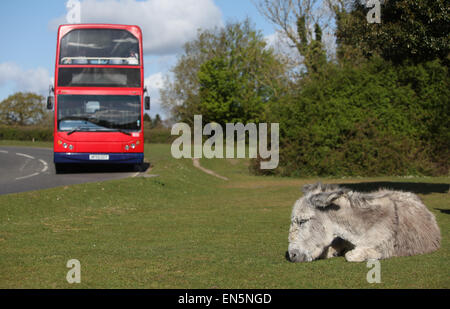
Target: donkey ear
{"points": [[324, 199], [311, 187]]}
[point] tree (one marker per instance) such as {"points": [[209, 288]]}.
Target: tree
{"points": [[157, 122], [234, 85], [302, 22], [313, 52], [416, 30], [367, 120], [226, 74], [147, 118], [22, 109]]}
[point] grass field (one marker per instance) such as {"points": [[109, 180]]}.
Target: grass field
{"points": [[187, 229]]}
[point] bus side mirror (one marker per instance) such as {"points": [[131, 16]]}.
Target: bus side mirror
{"points": [[50, 100], [147, 103]]}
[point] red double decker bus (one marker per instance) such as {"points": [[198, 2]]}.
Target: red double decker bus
{"points": [[98, 95]]}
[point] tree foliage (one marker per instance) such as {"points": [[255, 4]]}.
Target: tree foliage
{"points": [[235, 84], [23, 109], [157, 122], [147, 118], [226, 74], [374, 119], [383, 107], [415, 30]]}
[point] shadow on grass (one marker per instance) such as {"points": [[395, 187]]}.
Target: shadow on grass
{"points": [[102, 168], [444, 211], [415, 187]]}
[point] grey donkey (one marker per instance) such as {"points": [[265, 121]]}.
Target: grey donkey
{"points": [[329, 221]]}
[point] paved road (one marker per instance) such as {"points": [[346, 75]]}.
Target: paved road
{"points": [[26, 169]]}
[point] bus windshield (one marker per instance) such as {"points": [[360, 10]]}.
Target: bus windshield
{"points": [[99, 46], [99, 113]]}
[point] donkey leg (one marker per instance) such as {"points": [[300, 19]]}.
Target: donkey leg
{"points": [[338, 247], [328, 253], [360, 254]]}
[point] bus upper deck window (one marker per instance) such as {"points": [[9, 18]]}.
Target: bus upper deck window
{"points": [[134, 58], [99, 47]]}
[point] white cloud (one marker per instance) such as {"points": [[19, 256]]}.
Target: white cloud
{"points": [[281, 45], [34, 80], [166, 25], [271, 39], [154, 83]]}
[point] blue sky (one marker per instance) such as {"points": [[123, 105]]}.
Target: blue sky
{"points": [[28, 32]]}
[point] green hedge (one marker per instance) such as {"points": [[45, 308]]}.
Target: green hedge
{"points": [[42, 134], [27, 133], [158, 136], [372, 120]]}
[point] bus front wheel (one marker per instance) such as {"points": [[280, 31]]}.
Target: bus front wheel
{"points": [[59, 168]]}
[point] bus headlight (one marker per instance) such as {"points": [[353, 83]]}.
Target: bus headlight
{"points": [[65, 145], [127, 147], [133, 146], [70, 147]]}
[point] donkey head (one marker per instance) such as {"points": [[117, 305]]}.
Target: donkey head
{"points": [[311, 229]]}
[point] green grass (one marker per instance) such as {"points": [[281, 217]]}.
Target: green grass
{"points": [[186, 229]]}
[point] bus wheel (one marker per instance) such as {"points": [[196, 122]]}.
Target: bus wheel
{"points": [[59, 168], [140, 167]]}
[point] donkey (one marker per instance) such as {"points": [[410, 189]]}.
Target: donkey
{"points": [[332, 221]]}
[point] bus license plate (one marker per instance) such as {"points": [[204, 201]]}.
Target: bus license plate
{"points": [[98, 157]]}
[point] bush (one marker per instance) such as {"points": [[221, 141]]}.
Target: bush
{"points": [[158, 136], [26, 133], [372, 120]]}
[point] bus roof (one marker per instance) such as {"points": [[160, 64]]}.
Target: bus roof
{"points": [[64, 29]]}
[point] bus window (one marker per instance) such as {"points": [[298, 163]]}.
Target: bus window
{"points": [[99, 112], [92, 107], [99, 77], [99, 46]]}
